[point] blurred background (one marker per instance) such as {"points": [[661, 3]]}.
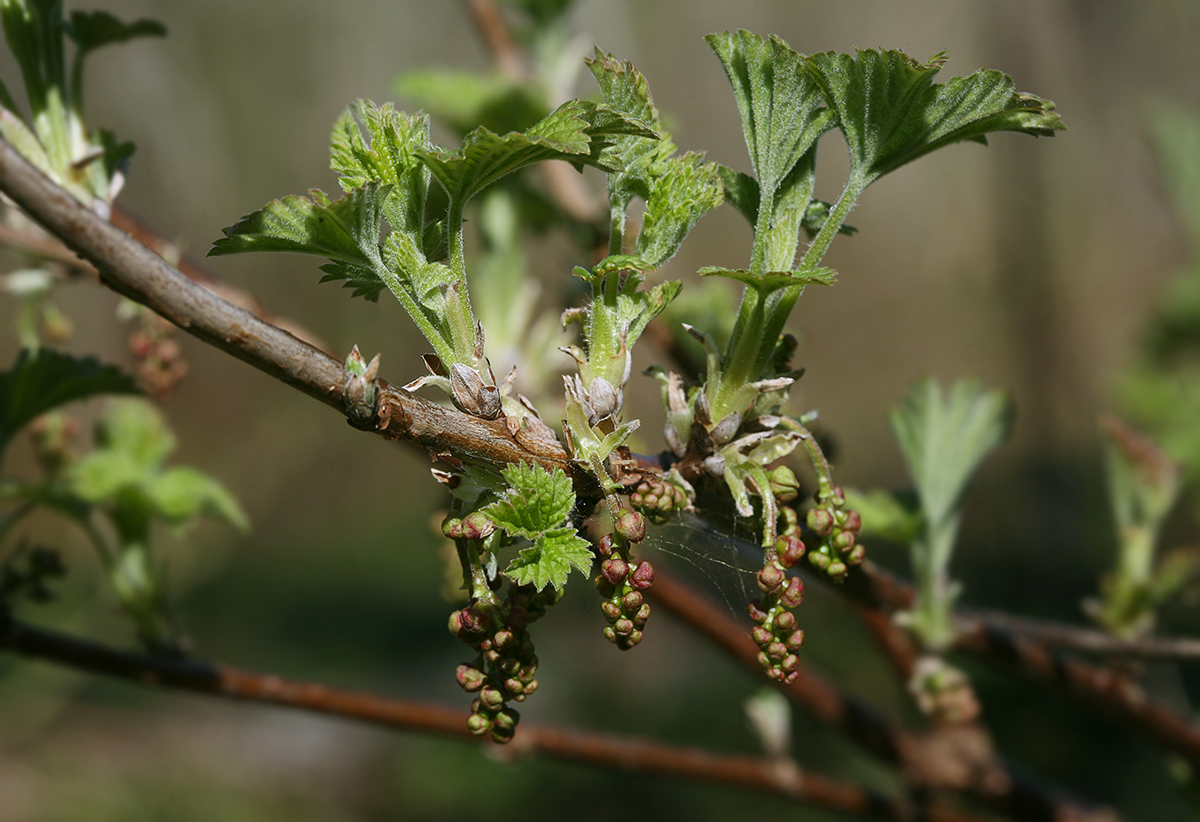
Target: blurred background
{"points": [[1032, 264]]}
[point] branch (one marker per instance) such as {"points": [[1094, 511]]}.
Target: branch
{"points": [[611, 752], [1092, 641], [1110, 690], [134, 271]]}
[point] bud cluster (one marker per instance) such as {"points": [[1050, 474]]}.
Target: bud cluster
{"points": [[621, 583], [657, 499], [775, 628], [837, 529], [159, 356], [506, 664]]}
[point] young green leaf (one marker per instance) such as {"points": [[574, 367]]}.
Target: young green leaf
{"points": [[577, 131], [40, 382], [681, 190], [891, 112], [944, 437], [551, 559]]}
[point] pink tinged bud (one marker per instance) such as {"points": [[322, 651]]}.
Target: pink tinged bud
{"points": [[762, 636], [502, 639], [793, 593], [605, 587], [452, 528], [530, 687], [795, 641], [610, 634], [642, 614], [770, 578], [624, 627], [514, 687], [790, 549], [790, 664], [764, 661], [477, 526], [757, 614], [604, 545], [820, 520], [774, 674], [642, 576], [615, 570], [786, 621], [631, 602], [492, 656], [611, 611], [478, 724], [633, 639], [776, 651], [852, 522], [632, 526], [837, 570], [491, 698], [856, 555]]}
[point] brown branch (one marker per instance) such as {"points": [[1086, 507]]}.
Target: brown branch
{"points": [[605, 751], [937, 761], [1092, 641], [1110, 690], [134, 271], [489, 21]]}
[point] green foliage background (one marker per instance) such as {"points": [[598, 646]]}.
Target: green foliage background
{"points": [[1029, 265]]}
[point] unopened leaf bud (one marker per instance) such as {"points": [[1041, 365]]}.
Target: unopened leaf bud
{"points": [[724, 430], [770, 578], [793, 593], [631, 525], [615, 570], [642, 576], [603, 398], [820, 520]]}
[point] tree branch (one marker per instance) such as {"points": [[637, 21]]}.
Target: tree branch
{"points": [[611, 752], [132, 270]]}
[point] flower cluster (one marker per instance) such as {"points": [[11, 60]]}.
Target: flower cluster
{"points": [[658, 498], [506, 664], [775, 629], [836, 527], [621, 582]]}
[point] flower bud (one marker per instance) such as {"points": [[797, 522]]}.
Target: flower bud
{"points": [[605, 587], [843, 541], [852, 522], [478, 724], [530, 687], [784, 484], [786, 621], [776, 651], [615, 570], [611, 610], [491, 698], [795, 640], [610, 634], [770, 578], [790, 664], [469, 678], [633, 639], [502, 639], [477, 526], [642, 614], [820, 520], [762, 636], [856, 554], [642, 576], [623, 626], [515, 687], [452, 528], [793, 593], [631, 525], [837, 569], [631, 602], [790, 549], [604, 545], [757, 614]]}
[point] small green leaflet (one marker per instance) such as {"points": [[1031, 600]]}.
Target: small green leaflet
{"points": [[537, 504], [39, 382]]}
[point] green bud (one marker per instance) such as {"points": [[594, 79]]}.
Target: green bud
{"points": [[820, 520], [784, 484], [478, 724]]}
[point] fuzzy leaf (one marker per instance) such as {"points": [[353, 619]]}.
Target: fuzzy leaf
{"points": [[681, 191], [373, 143], [891, 112], [577, 131], [944, 437], [636, 309], [781, 105], [39, 382], [773, 280], [550, 561], [344, 230], [537, 501], [625, 90]]}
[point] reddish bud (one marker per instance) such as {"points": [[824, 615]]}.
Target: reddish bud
{"points": [[642, 577], [843, 541], [762, 636], [633, 639], [605, 587], [611, 610], [785, 621], [757, 614], [631, 602], [623, 627], [776, 651], [837, 569], [514, 687], [642, 614], [852, 522], [790, 549], [604, 545], [502, 639], [631, 525], [491, 698], [793, 593], [770, 578], [478, 724], [469, 678], [610, 634], [795, 640], [790, 664], [615, 570]]}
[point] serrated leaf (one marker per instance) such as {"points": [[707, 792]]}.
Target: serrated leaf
{"points": [[537, 501], [891, 112], [635, 310], [344, 230], [681, 191], [39, 382], [944, 437], [373, 143], [92, 30], [781, 106], [577, 131], [550, 561]]}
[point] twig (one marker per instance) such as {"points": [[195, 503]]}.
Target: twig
{"points": [[612, 752], [930, 762], [1092, 641], [132, 270]]}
